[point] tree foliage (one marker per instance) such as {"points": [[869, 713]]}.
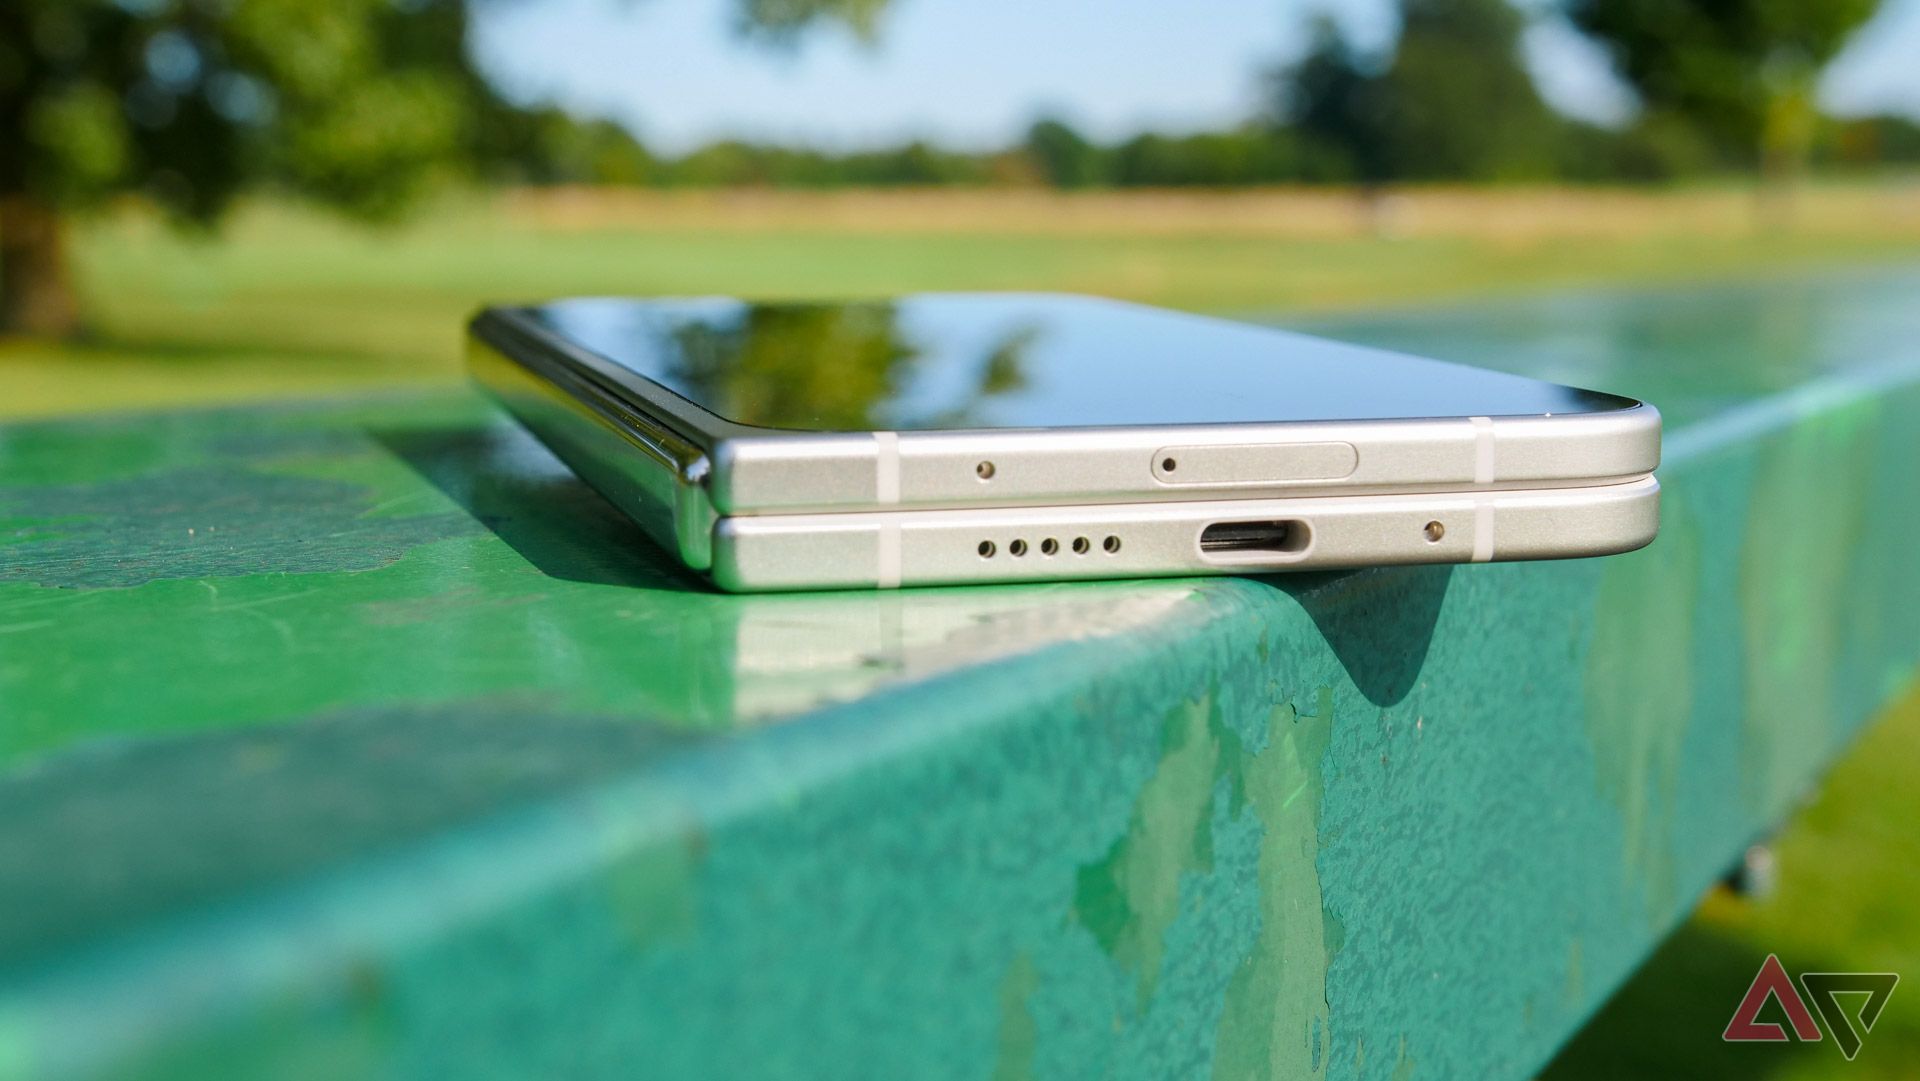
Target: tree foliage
{"points": [[1743, 71], [355, 102], [1331, 98], [1215, 159], [786, 20], [1064, 157], [1456, 100], [365, 104], [842, 365], [1450, 101], [359, 104]]}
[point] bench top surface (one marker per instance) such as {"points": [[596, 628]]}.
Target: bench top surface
{"points": [[242, 648]]}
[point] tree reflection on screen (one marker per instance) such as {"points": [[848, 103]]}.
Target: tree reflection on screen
{"points": [[825, 366]]}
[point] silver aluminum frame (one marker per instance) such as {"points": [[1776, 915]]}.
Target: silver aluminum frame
{"points": [[887, 549], [679, 470]]}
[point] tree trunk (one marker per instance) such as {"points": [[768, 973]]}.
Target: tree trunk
{"points": [[1786, 145], [36, 291]]}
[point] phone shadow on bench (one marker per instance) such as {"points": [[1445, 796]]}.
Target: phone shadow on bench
{"points": [[1378, 622], [515, 487]]}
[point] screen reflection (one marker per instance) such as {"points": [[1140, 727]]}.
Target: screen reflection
{"points": [[1022, 361]]}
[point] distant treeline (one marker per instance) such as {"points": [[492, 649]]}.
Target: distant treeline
{"points": [[1054, 155], [1450, 102]]}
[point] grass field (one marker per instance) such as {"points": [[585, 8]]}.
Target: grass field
{"points": [[289, 303], [1848, 901]]}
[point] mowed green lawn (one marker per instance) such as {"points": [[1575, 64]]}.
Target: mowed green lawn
{"points": [[290, 303]]}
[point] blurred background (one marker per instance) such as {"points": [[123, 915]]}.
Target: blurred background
{"points": [[210, 202]]}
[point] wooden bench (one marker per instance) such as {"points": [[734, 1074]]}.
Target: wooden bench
{"points": [[361, 738]]}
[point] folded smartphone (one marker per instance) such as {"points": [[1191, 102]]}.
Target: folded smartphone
{"points": [[956, 438]]}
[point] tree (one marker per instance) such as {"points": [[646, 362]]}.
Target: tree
{"points": [[1743, 71], [1208, 159], [1874, 141], [1656, 148], [1331, 99], [551, 146], [836, 364], [785, 21], [1457, 102], [842, 366], [355, 102], [360, 104], [1064, 156], [1452, 101]]}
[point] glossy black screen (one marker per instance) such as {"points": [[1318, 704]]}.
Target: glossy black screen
{"points": [[1023, 361]]}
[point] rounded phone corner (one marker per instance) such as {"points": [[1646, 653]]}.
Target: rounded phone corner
{"points": [[722, 568], [1641, 412], [1647, 427], [714, 472]]}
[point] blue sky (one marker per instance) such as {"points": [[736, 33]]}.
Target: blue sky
{"points": [[974, 73]]}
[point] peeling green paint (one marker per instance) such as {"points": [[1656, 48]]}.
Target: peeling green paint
{"points": [[1019, 1032], [1403, 1064], [16, 1042], [885, 881], [655, 890], [1639, 696], [1275, 1022], [348, 1037], [1129, 898], [1804, 521]]}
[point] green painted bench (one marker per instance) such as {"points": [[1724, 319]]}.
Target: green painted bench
{"points": [[361, 739]]}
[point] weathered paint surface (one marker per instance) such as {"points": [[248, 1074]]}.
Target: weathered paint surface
{"points": [[362, 739]]}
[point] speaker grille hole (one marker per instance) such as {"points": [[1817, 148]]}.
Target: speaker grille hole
{"points": [[1111, 544], [1081, 546], [1167, 465], [1017, 548], [1049, 546], [987, 549]]}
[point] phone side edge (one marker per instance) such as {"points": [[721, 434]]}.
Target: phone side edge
{"points": [[1039, 544], [787, 473], [650, 472]]}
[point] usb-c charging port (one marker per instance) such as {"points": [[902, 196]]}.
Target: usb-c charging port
{"points": [[1249, 540]]}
